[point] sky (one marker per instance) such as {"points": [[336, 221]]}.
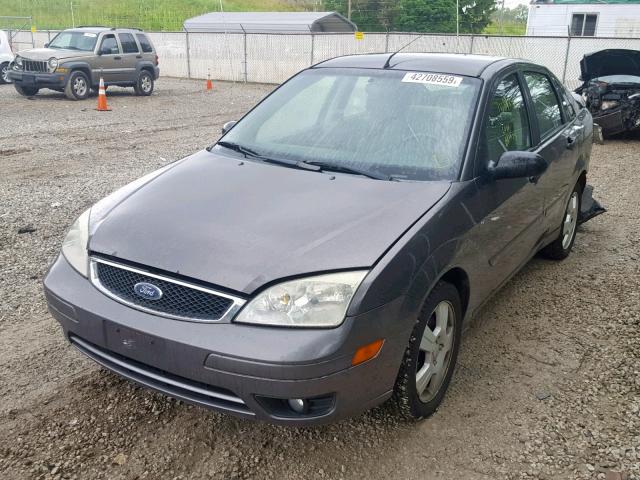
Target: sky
{"points": [[513, 3]]}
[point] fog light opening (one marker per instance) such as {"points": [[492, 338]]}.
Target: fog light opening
{"points": [[298, 405]]}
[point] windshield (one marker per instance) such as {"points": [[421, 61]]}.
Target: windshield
{"points": [[85, 41], [397, 124]]}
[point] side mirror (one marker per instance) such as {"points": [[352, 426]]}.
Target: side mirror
{"points": [[46, 45], [518, 165], [228, 126]]}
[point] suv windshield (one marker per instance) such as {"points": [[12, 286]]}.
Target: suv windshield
{"points": [[85, 41], [392, 123]]}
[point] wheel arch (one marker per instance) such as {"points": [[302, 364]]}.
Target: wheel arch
{"points": [[459, 279]]}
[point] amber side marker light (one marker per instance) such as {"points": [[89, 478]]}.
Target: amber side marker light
{"points": [[367, 352]]}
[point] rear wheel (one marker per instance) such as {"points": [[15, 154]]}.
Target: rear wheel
{"points": [[144, 85], [26, 91], [431, 355], [77, 87], [561, 246], [4, 73]]}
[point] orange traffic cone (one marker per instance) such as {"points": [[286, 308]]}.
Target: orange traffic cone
{"points": [[102, 98], [209, 82]]}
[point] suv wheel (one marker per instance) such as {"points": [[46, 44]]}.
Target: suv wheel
{"points": [[144, 85], [4, 72], [26, 91], [430, 357], [77, 87]]}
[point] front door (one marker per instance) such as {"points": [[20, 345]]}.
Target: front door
{"points": [[508, 212], [108, 64]]}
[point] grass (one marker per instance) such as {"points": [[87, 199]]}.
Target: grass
{"points": [[506, 28], [151, 15]]}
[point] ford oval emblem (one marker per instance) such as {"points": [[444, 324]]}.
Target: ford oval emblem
{"points": [[147, 291]]}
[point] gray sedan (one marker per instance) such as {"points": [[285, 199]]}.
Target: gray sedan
{"points": [[325, 254]]}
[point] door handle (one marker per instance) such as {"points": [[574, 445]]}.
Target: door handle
{"points": [[117, 58], [573, 135], [138, 56]]}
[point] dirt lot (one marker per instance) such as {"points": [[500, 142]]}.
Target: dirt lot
{"points": [[548, 381]]}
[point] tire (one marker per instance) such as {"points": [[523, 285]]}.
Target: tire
{"points": [[413, 401], [144, 85], [4, 70], [78, 86], [561, 247], [26, 91]]}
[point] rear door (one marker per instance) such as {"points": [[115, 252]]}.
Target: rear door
{"points": [[130, 56], [509, 210], [560, 136]]}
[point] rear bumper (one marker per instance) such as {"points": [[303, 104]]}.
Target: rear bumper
{"points": [[40, 80], [234, 368]]}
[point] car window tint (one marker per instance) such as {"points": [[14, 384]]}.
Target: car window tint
{"points": [[109, 44], [507, 125], [145, 44], [545, 102], [129, 44]]}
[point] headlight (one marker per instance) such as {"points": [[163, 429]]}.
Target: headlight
{"points": [[53, 64], [18, 61], [320, 301], [74, 247], [607, 104]]}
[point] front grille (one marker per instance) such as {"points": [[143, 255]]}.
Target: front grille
{"points": [[34, 66], [184, 301]]}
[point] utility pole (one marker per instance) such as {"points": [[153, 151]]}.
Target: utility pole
{"points": [[457, 18], [73, 20], [349, 10]]}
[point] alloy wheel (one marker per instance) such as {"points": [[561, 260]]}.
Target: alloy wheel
{"points": [[4, 73], [570, 221], [80, 87], [434, 353], [145, 83]]}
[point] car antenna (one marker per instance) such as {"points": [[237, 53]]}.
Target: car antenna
{"points": [[386, 64]]}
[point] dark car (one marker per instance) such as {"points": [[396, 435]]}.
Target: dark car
{"points": [[611, 89], [325, 254]]}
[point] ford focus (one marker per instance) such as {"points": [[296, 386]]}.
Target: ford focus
{"points": [[325, 254]]}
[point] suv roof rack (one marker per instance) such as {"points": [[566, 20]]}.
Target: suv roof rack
{"points": [[127, 28], [90, 26]]}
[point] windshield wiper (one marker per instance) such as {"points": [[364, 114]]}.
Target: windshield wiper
{"points": [[247, 152], [333, 167]]}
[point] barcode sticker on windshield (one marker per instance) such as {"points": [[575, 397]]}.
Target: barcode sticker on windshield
{"points": [[433, 79]]}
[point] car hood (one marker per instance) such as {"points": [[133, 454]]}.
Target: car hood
{"points": [[47, 53], [240, 225], [610, 62]]}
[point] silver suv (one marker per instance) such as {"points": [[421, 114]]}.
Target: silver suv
{"points": [[75, 59]]}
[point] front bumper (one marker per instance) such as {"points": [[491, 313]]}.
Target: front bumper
{"points": [[617, 120], [40, 80], [239, 369]]}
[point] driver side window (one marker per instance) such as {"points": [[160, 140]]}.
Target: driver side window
{"points": [[109, 45], [506, 127]]}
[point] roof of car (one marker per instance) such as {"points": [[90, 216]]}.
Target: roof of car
{"points": [[98, 29], [454, 63]]}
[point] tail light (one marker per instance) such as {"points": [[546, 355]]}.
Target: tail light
{"points": [[157, 61]]}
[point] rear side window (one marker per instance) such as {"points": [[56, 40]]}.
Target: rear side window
{"points": [[507, 126], [129, 44], [545, 102], [145, 44]]}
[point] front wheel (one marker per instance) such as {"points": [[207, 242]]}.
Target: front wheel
{"points": [[77, 87], [25, 91], [4, 73], [560, 248], [430, 357], [144, 85]]}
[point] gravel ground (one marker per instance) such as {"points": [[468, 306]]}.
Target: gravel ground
{"points": [[548, 381]]}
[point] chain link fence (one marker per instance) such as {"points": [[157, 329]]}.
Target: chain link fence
{"points": [[272, 58]]}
